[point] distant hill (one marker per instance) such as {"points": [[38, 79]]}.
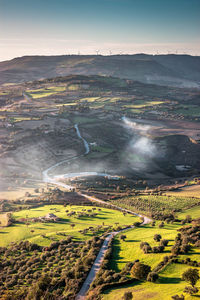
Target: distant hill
{"points": [[172, 70]]}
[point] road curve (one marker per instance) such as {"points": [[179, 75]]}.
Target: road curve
{"points": [[100, 257]]}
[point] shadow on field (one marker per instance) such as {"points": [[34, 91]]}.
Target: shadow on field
{"points": [[115, 256], [168, 280], [132, 241]]}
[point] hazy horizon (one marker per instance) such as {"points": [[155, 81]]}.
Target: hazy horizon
{"points": [[110, 26]]}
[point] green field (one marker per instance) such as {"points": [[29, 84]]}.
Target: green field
{"points": [[45, 92], [20, 231], [193, 212], [169, 282], [129, 250]]}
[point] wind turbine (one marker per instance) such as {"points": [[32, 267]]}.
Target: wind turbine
{"points": [[97, 52]]}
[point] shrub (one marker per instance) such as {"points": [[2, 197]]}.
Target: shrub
{"points": [[146, 249], [177, 297], [152, 277], [140, 271], [164, 242], [191, 276], [191, 290], [157, 237], [127, 296]]}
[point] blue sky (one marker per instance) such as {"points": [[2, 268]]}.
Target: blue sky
{"points": [[70, 26]]}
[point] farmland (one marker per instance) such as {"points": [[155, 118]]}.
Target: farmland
{"points": [[43, 233], [141, 145]]}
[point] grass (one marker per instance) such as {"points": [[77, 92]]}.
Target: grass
{"points": [[73, 87], [101, 149], [20, 119], [188, 110], [169, 284], [188, 191], [4, 93], [129, 250], [123, 250], [45, 92], [83, 120], [142, 104], [193, 212], [21, 231]]}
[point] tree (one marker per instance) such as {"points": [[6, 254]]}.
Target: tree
{"points": [[157, 237], [152, 277], [128, 296], [177, 297], [191, 276], [164, 242], [142, 244], [146, 249], [140, 271], [161, 225]]}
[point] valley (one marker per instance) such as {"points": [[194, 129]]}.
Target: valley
{"points": [[87, 159]]}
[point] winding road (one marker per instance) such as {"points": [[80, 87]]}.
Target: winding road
{"points": [[54, 180]]}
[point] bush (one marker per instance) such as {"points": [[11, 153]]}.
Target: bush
{"points": [[140, 271], [191, 276], [152, 277], [177, 297], [164, 242], [127, 296], [191, 290], [146, 249], [157, 237]]}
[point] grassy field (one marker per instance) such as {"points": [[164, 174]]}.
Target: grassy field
{"points": [[123, 250], [193, 212], [83, 120], [129, 250], [20, 231], [142, 104], [169, 282], [188, 191], [45, 92]]}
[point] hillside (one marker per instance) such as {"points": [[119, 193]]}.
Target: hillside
{"points": [[172, 70]]}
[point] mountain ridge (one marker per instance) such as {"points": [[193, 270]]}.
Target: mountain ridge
{"points": [[171, 69]]}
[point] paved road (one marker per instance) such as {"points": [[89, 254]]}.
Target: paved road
{"points": [[100, 257]]}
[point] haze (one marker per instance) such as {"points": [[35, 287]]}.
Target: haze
{"points": [[111, 26]]}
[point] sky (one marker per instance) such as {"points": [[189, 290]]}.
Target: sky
{"points": [[55, 27]]}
